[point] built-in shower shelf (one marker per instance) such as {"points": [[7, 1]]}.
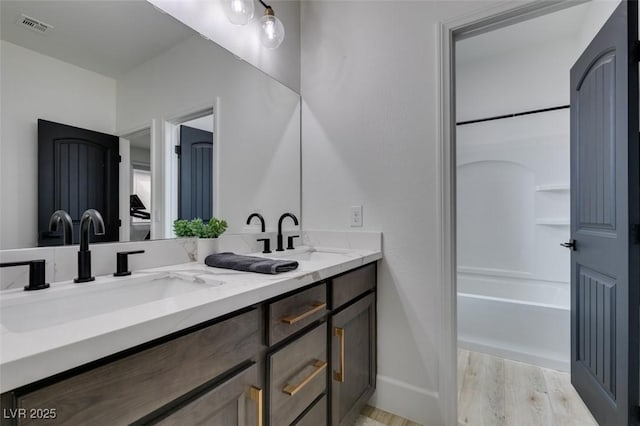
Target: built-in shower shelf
{"points": [[552, 188], [552, 222]]}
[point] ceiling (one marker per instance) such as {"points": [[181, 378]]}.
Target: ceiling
{"points": [[108, 37], [565, 23]]}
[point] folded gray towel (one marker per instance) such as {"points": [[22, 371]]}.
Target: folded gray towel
{"points": [[249, 263]]}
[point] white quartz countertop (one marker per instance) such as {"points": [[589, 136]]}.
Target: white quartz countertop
{"points": [[37, 352]]}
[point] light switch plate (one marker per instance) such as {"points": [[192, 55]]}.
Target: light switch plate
{"points": [[355, 219]]}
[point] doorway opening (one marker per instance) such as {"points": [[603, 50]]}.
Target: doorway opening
{"points": [[509, 176], [140, 184], [192, 154]]}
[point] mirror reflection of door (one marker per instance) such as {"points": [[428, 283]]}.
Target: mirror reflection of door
{"points": [[140, 187], [77, 170], [195, 192]]}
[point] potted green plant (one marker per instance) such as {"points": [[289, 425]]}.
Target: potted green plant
{"points": [[206, 234]]}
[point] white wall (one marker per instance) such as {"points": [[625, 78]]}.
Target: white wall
{"points": [[208, 18], [36, 86], [369, 88], [140, 155], [531, 77], [597, 14], [257, 126]]}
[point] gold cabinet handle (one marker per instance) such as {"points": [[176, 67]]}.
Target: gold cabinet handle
{"points": [[318, 366], [255, 394], [339, 375], [315, 307]]}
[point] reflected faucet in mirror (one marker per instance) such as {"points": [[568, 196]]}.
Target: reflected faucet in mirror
{"points": [[84, 255], [260, 218], [61, 216]]}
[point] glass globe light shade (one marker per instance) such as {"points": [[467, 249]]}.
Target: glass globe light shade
{"points": [[239, 12], [270, 30]]}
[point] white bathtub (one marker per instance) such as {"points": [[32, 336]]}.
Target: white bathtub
{"points": [[516, 319]]}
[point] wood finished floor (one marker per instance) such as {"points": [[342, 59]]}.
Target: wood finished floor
{"points": [[499, 392], [494, 391], [381, 417]]}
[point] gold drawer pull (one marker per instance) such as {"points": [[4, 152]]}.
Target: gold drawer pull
{"points": [[255, 394], [318, 367], [339, 375], [315, 307]]}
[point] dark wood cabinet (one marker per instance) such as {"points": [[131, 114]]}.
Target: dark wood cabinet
{"points": [[348, 286], [297, 375], [353, 359], [237, 401], [315, 416], [304, 358], [293, 313], [124, 390]]}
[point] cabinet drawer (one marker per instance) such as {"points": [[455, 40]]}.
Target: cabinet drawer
{"points": [[293, 313], [317, 416], [236, 402], [131, 387], [352, 284], [297, 376]]}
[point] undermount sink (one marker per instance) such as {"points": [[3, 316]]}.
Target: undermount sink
{"points": [[27, 311], [309, 254]]}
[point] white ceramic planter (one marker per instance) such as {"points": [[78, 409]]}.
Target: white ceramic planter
{"points": [[205, 247]]}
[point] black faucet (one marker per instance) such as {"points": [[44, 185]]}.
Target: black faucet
{"points": [[259, 216], [61, 216], [84, 255], [283, 217], [266, 241], [36, 273], [122, 262]]}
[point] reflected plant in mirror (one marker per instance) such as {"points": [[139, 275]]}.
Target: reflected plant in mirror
{"points": [[111, 99]]}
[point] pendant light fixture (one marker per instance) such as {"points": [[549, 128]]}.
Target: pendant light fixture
{"points": [[239, 12], [270, 28]]}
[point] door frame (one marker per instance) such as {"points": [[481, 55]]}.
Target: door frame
{"points": [[126, 173], [483, 20], [171, 131]]}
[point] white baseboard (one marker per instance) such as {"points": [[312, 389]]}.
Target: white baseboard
{"points": [[406, 400], [535, 359]]}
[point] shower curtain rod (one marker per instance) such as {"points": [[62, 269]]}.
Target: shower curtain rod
{"points": [[516, 114]]}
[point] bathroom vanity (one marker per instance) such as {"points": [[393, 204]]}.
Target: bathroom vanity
{"points": [[296, 348]]}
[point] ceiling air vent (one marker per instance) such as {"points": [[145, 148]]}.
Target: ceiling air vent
{"points": [[33, 24]]}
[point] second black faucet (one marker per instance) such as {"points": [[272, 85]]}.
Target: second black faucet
{"points": [[280, 242]]}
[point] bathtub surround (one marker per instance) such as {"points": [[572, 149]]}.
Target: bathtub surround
{"points": [[513, 213], [515, 327]]}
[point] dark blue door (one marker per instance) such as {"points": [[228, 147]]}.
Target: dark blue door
{"points": [[196, 174], [77, 170], [604, 212]]}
